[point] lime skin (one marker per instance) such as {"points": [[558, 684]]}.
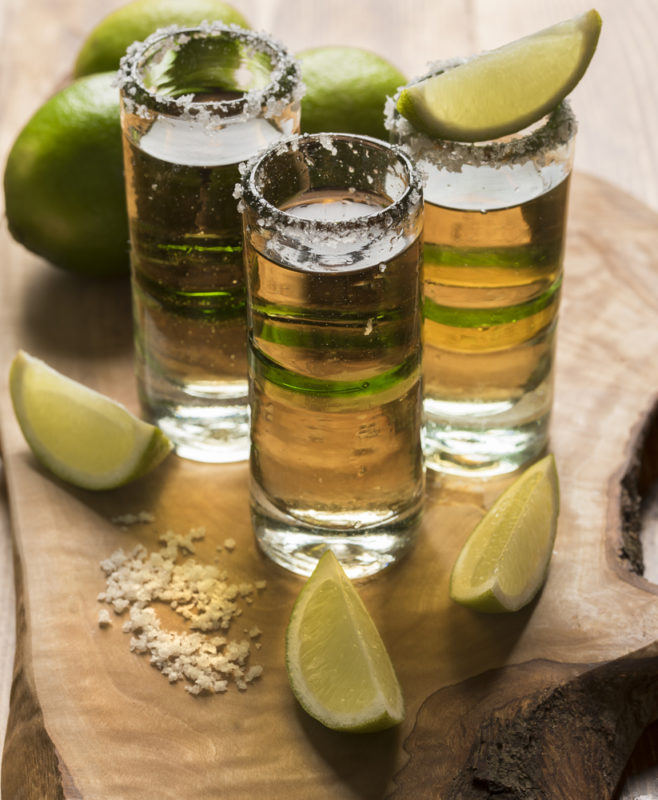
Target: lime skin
{"points": [[64, 190]]}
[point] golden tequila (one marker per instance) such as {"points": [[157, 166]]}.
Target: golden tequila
{"points": [[195, 104], [335, 374], [495, 221]]}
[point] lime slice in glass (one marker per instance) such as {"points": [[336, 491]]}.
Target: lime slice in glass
{"points": [[504, 562], [338, 667], [82, 436], [505, 90]]}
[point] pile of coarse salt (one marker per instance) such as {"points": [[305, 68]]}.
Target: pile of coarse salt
{"points": [[200, 593]]}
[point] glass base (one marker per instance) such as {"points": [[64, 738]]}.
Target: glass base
{"points": [[217, 433], [481, 446], [297, 545]]}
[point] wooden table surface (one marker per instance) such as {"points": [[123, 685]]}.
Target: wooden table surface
{"points": [[616, 103]]}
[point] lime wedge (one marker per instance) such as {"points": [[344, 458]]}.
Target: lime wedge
{"points": [[504, 90], [82, 436], [504, 562], [337, 664]]}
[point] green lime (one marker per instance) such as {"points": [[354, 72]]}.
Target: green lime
{"points": [[108, 41], [504, 90], [80, 435], [504, 562], [64, 192], [337, 664], [346, 88]]}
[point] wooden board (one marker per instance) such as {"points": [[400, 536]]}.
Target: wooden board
{"points": [[90, 719]]}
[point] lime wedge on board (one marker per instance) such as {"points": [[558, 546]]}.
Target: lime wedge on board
{"points": [[338, 667], [80, 435], [504, 562]]}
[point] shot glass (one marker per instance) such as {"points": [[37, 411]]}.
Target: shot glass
{"points": [[195, 103], [333, 256], [495, 221]]}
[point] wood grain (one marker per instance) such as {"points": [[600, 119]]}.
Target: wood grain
{"points": [[617, 105]]}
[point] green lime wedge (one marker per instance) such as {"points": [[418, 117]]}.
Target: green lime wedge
{"points": [[505, 90], [81, 436], [338, 667], [504, 562]]}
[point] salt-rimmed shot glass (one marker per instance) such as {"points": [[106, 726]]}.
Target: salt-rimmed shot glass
{"points": [[195, 103], [333, 255], [495, 221]]}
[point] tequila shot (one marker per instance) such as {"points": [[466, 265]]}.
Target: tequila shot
{"points": [[495, 221], [333, 254], [195, 103]]}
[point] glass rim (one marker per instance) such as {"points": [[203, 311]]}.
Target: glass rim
{"points": [[554, 130], [392, 214], [284, 86]]}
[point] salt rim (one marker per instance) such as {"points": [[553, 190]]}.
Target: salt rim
{"points": [[535, 142], [375, 224], [285, 86]]}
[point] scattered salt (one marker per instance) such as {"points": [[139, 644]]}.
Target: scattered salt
{"points": [[200, 593]]}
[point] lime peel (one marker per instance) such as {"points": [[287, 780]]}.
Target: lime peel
{"points": [[80, 435], [346, 90], [504, 561], [338, 666], [134, 21], [65, 198], [503, 91]]}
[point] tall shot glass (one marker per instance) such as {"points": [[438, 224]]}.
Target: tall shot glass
{"points": [[495, 221], [333, 256], [195, 103]]}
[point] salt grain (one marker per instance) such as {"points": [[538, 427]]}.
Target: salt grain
{"points": [[104, 618], [140, 518]]}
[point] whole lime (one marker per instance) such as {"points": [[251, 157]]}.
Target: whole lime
{"points": [[346, 88], [108, 41], [64, 191]]}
